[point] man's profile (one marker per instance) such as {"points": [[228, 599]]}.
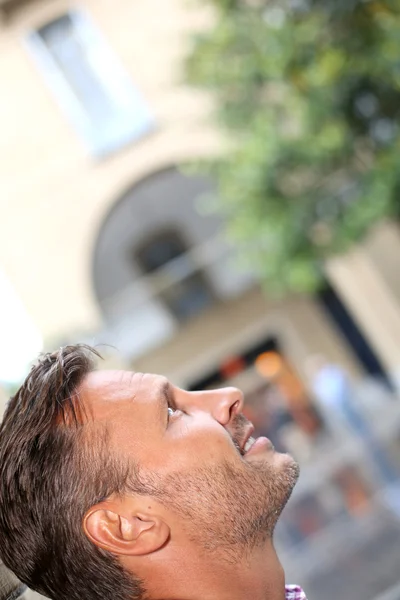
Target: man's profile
{"points": [[118, 485]]}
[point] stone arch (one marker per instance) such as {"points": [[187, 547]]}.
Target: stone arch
{"points": [[137, 317], [164, 199]]}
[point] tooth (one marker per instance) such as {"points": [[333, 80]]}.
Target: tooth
{"points": [[249, 444]]}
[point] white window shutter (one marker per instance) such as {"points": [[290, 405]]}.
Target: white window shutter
{"points": [[126, 116]]}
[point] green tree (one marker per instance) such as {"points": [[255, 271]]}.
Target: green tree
{"points": [[309, 92]]}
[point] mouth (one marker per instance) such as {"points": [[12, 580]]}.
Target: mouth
{"points": [[248, 441], [248, 445]]}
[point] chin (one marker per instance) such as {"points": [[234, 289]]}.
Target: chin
{"points": [[276, 460], [287, 464], [286, 458], [290, 471], [287, 472]]}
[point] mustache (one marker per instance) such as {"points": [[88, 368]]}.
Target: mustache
{"points": [[239, 426]]}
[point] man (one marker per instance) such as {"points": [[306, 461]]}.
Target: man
{"points": [[118, 485]]}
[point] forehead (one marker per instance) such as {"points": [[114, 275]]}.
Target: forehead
{"points": [[101, 389]]}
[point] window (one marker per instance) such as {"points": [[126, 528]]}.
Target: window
{"points": [[183, 288], [91, 86]]}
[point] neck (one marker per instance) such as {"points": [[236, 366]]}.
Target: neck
{"points": [[187, 576]]}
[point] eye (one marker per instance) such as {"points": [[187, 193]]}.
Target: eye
{"points": [[170, 412]]}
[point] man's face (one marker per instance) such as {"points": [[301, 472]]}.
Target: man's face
{"points": [[196, 453]]}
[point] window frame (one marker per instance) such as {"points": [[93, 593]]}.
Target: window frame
{"points": [[156, 274], [132, 119]]}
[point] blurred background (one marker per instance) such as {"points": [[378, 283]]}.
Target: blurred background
{"points": [[211, 191]]}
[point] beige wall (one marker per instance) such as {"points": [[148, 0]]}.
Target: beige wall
{"points": [[298, 323], [3, 401], [367, 279], [383, 248], [53, 196]]}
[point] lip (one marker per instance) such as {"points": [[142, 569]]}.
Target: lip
{"points": [[261, 443], [249, 433]]}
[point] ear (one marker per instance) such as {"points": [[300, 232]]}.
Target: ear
{"points": [[123, 530]]}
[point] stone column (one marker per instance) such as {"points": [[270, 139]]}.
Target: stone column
{"points": [[372, 304]]}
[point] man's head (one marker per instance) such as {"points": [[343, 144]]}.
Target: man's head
{"points": [[104, 473]]}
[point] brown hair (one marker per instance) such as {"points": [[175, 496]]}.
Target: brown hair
{"points": [[52, 470]]}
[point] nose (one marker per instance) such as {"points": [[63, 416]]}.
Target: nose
{"points": [[223, 404]]}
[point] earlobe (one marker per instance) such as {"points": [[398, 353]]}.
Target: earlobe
{"points": [[121, 532]]}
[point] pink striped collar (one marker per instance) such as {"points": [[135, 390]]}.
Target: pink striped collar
{"points": [[294, 592]]}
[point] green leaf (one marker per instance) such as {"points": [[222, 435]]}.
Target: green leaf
{"points": [[310, 98]]}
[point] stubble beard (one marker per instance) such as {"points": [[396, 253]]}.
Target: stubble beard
{"points": [[231, 509]]}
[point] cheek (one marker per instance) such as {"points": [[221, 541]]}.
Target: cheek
{"points": [[184, 452]]}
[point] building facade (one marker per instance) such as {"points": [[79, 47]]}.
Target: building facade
{"points": [[96, 128], [107, 235]]}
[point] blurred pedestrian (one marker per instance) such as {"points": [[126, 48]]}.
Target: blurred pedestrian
{"points": [[333, 390]]}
